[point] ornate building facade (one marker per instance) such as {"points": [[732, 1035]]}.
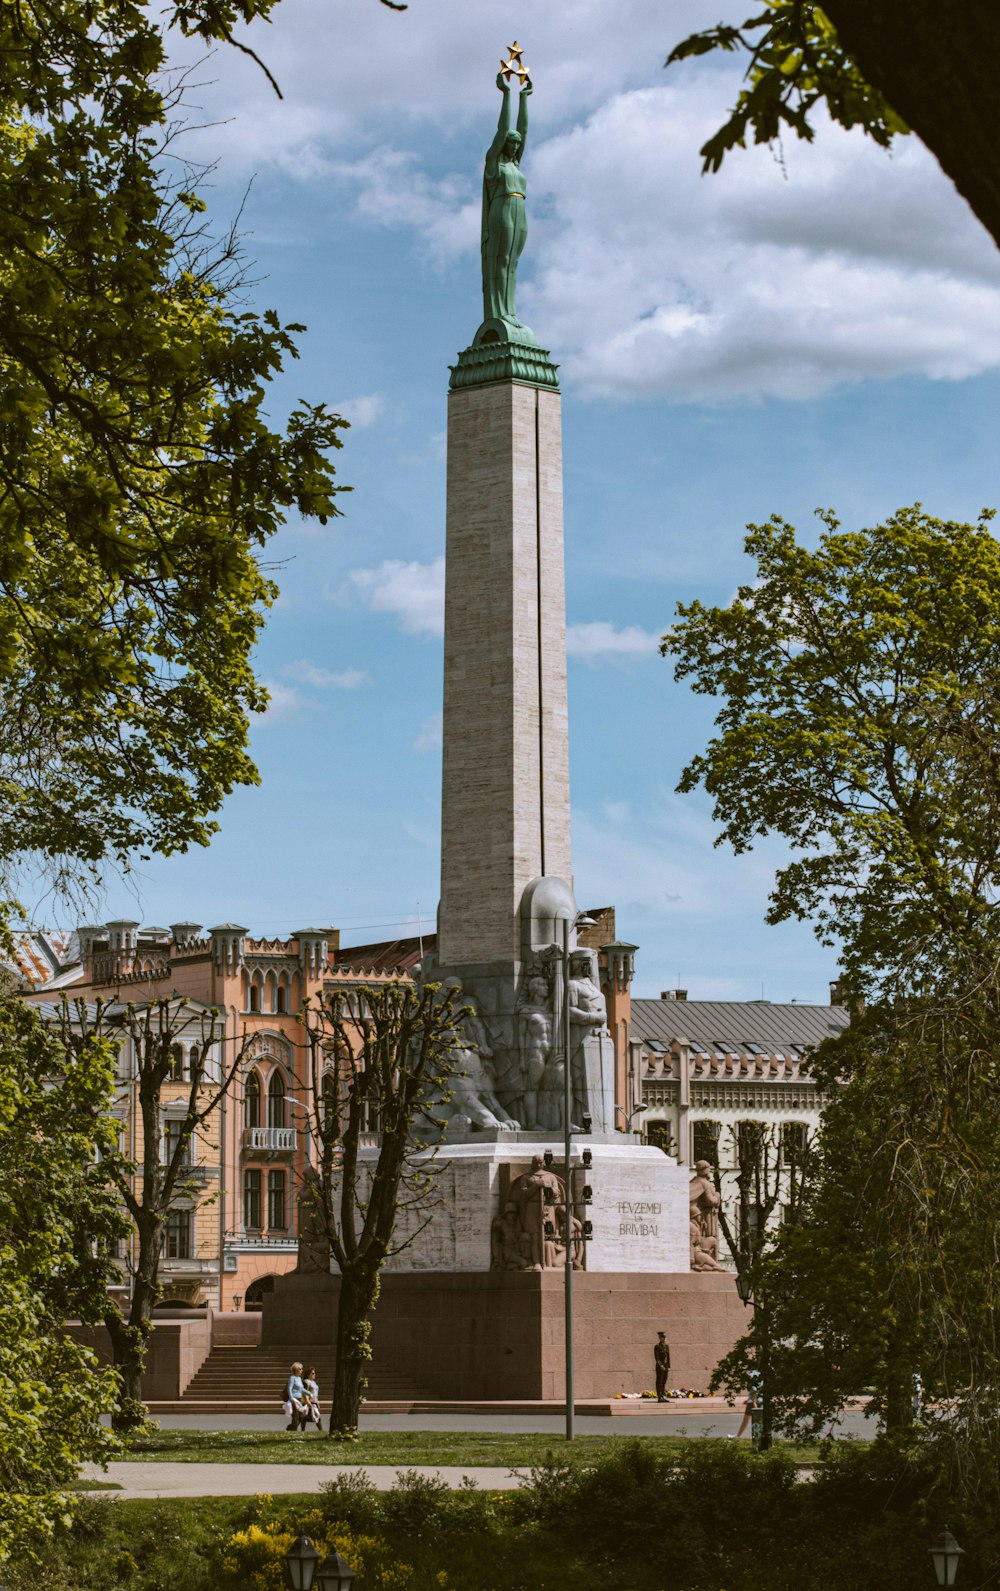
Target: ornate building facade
{"points": [[705, 1070]]}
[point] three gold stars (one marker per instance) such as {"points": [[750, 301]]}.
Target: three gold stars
{"points": [[515, 65]]}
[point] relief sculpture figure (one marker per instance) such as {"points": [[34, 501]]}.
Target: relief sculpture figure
{"points": [[704, 1199], [505, 221], [472, 1085], [536, 1028]]}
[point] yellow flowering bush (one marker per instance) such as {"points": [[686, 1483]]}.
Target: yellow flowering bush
{"points": [[253, 1556]]}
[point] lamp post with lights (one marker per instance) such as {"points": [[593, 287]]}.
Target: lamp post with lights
{"points": [[946, 1555], [306, 1570], [568, 928]]}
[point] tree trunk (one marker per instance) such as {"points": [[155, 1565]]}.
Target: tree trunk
{"points": [[130, 1337], [898, 1396], [128, 1345], [358, 1293], [937, 62]]}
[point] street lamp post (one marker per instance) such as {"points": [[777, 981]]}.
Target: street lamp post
{"points": [[305, 1571], [580, 921], [744, 1286], [628, 1114], [945, 1556]]}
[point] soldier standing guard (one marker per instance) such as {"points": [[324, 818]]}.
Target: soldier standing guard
{"points": [[661, 1358]]}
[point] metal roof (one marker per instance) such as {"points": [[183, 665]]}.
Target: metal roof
{"points": [[731, 1026]]}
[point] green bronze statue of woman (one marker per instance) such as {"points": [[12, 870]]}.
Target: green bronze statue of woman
{"points": [[505, 223]]}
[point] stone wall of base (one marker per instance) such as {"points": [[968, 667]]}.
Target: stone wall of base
{"points": [[500, 1335], [177, 1348]]}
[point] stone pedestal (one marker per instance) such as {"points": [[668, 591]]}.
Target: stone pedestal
{"points": [[499, 1336], [638, 1210]]}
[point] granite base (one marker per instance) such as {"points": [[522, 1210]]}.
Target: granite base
{"points": [[500, 1335]]}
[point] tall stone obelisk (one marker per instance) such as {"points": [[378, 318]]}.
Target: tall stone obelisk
{"points": [[505, 805], [506, 870]]}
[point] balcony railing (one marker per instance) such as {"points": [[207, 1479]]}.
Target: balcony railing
{"points": [[252, 1238], [269, 1138]]}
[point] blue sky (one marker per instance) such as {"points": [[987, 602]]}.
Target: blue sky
{"points": [[819, 328]]}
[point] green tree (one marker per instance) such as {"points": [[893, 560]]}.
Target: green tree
{"points": [[860, 691], [140, 477], [58, 1223], [888, 1282], [378, 1056], [887, 66]]}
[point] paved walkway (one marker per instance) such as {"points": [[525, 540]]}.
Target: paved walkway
{"points": [[247, 1480], [687, 1419]]}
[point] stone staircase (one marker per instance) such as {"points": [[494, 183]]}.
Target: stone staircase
{"points": [[239, 1379]]}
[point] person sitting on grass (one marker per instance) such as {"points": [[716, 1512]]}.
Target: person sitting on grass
{"points": [[295, 1397], [313, 1411]]}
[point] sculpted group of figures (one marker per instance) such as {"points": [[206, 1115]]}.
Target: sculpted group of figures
{"points": [[526, 1087], [704, 1200], [529, 1234]]}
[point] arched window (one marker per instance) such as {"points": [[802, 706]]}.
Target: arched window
{"points": [[255, 1000], [276, 1101], [281, 997], [194, 1059], [271, 1003], [251, 1101], [176, 1063]]}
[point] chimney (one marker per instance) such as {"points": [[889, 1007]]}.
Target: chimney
{"points": [[673, 994]]}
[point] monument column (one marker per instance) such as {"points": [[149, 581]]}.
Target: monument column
{"points": [[505, 798]]}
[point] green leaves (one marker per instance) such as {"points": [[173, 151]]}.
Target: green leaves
{"points": [[860, 702], [795, 63], [58, 1220]]}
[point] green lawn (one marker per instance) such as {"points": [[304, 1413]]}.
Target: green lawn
{"points": [[402, 1447]]}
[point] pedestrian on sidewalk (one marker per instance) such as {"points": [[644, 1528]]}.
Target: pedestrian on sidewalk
{"points": [[313, 1412], [295, 1398]]}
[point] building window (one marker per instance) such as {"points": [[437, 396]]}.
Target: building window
{"points": [[705, 1137], [281, 999], [251, 1200], [277, 1213], [176, 1063], [276, 1101], [172, 1133], [254, 996], [177, 1237], [658, 1134], [194, 1060], [794, 1140], [251, 1101]]}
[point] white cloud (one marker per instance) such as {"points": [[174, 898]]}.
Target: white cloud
{"points": [[431, 734], [413, 593], [766, 280], [348, 679], [599, 641], [360, 412]]}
